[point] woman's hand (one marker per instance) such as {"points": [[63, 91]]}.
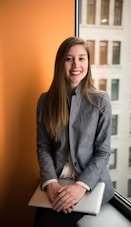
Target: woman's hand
{"points": [[67, 197], [52, 190]]}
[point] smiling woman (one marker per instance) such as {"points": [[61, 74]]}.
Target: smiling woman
{"points": [[76, 65], [66, 145]]}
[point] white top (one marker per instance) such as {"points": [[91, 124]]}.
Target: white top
{"points": [[68, 172]]}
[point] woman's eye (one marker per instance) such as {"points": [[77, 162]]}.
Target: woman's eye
{"points": [[81, 59], [68, 59]]}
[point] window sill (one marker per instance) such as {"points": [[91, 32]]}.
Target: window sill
{"points": [[115, 213], [122, 204], [109, 217], [118, 27]]}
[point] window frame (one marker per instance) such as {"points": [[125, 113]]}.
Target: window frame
{"points": [[130, 124], [115, 118], [119, 202], [103, 52], [91, 44], [118, 10], [115, 86], [91, 8], [105, 12], [129, 159], [103, 84], [114, 164], [116, 51]]}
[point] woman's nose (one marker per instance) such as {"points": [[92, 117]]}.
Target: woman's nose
{"points": [[75, 63]]}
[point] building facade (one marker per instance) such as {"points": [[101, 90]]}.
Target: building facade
{"points": [[105, 24]]}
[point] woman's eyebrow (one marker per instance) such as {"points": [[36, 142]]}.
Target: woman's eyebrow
{"points": [[82, 54], [79, 55]]}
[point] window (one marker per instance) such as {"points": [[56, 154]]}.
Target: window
{"points": [[114, 89], [118, 12], [130, 124], [113, 158], [91, 48], [103, 52], [112, 45], [91, 11], [104, 12], [129, 188], [102, 84], [129, 156], [80, 10], [116, 53], [114, 124], [114, 184]]}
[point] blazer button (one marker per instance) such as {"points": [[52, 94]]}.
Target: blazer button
{"points": [[75, 164]]}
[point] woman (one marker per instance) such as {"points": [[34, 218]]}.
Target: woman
{"points": [[73, 135]]}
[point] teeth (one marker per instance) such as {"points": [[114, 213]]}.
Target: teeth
{"points": [[75, 73]]}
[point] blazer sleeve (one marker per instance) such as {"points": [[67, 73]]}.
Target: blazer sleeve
{"points": [[97, 164], [44, 146]]}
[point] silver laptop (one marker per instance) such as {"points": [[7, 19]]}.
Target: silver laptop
{"points": [[89, 204]]}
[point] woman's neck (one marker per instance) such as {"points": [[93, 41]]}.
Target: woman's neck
{"points": [[70, 90]]}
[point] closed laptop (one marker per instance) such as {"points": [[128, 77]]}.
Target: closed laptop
{"points": [[89, 204]]}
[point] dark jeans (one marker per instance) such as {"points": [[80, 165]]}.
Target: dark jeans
{"points": [[49, 218]]}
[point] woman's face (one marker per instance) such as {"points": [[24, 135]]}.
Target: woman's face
{"points": [[76, 65]]}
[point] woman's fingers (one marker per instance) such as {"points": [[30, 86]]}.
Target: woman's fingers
{"points": [[67, 197]]}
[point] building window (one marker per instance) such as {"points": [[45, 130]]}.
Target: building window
{"points": [[113, 158], [129, 156], [103, 84], [116, 53], [129, 188], [103, 52], [130, 124], [80, 11], [91, 8], [114, 124], [91, 45], [114, 184], [104, 12], [118, 12], [114, 89]]}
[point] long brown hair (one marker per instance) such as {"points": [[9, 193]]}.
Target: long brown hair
{"points": [[56, 110]]}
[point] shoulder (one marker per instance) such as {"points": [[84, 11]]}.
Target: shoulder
{"points": [[100, 95], [101, 99]]}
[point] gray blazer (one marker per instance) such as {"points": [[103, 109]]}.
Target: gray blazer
{"points": [[89, 141]]}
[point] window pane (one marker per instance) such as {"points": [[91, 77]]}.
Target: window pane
{"points": [[112, 51], [118, 12], [129, 188], [116, 53], [112, 161], [115, 90], [102, 84], [91, 11], [114, 184], [91, 48], [129, 156], [80, 10], [103, 52], [130, 124], [104, 11], [114, 124]]}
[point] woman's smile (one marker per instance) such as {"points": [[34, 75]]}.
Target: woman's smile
{"points": [[75, 73]]}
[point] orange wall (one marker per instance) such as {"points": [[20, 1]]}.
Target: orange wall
{"points": [[30, 33]]}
